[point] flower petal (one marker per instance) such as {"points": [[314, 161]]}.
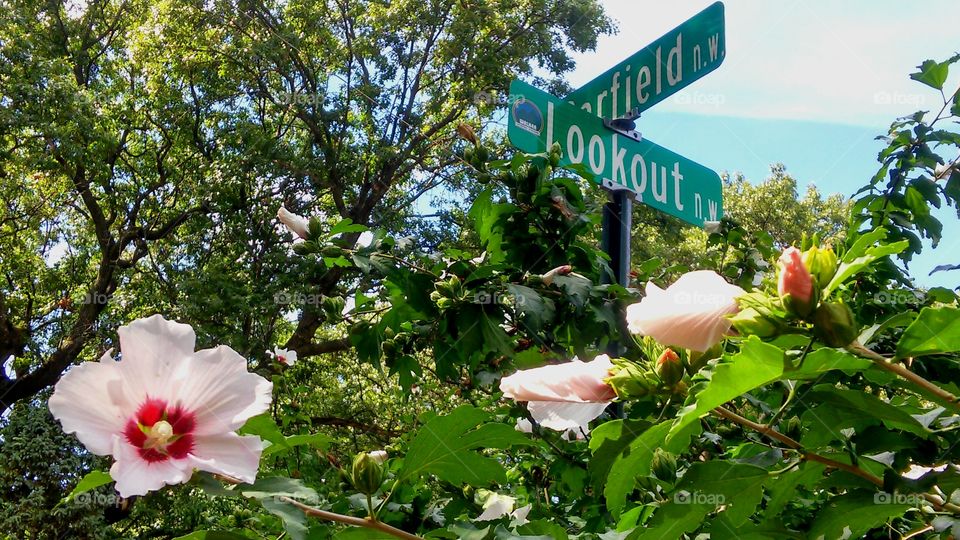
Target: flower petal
{"points": [[690, 313], [563, 416], [136, 476], [217, 388], [573, 381], [297, 224], [151, 349], [89, 401], [230, 454]]}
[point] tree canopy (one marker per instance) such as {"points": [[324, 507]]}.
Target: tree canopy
{"points": [[433, 286]]}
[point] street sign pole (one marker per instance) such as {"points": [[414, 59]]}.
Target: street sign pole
{"points": [[615, 240]]}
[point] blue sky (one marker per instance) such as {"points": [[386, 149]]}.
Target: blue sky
{"points": [[806, 83]]}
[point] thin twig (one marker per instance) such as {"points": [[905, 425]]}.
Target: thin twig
{"points": [[937, 502], [893, 367], [351, 520]]}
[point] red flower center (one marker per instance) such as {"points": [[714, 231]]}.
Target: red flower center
{"points": [[160, 432]]}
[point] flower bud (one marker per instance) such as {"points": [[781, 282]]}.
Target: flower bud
{"points": [[295, 223], [669, 367], [367, 473], [833, 324], [629, 380], [663, 465], [794, 428], [795, 284], [750, 322], [822, 264]]}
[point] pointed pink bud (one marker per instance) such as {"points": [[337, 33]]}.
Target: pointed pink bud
{"points": [[795, 279]]}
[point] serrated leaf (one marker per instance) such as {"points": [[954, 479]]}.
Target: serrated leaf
{"points": [[278, 486], [756, 364], [634, 461], [536, 310], [672, 520], [736, 486], [445, 446], [932, 73], [935, 331], [823, 360], [857, 511], [865, 404], [783, 490], [294, 520], [607, 442], [864, 251], [576, 287]]}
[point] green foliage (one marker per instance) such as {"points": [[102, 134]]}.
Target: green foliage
{"points": [[445, 446], [934, 331], [158, 141]]}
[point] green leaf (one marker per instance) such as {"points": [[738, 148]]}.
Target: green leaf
{"points": [[294, 520], [486, 216], [634, 461], [264, 427], [212, 535], [783, 490], [756, 364], [536, 310], [346, 225], [578, 288], [672, 520], [932, 73], [858, 511], [722, 529], [607, 442], [864, 251], [278, 486], [445, 446], [935, 331], [826, 359], [315, 440], [894, 321], [736, 486], [865, 404], [91, 480]]}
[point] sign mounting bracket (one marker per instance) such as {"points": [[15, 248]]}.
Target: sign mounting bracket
{"points": [[625, 125]]}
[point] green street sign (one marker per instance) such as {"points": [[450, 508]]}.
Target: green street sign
{"points": [[654, 73], [661, 179]]}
